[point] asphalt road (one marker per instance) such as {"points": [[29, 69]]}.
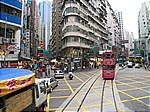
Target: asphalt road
{"points": [[66, 87], [133, 86]]}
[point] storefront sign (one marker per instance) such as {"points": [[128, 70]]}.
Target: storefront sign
{"points": [[14, 63]]}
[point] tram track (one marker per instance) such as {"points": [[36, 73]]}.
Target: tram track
{"points": [[84, 97], [103, 90], [80, 105]]}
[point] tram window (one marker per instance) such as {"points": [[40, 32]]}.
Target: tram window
{"points": [[109, 55], [109, 67]]}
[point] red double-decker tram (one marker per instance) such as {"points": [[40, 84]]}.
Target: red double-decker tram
{"points": [[108, 65]]}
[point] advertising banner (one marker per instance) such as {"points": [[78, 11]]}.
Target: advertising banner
{"points": [[14, 84]]}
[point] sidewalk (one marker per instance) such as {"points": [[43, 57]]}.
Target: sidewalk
{"points": [[92, 102]]}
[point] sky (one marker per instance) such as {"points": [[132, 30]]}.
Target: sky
{"points": [[38, 1], [129, 9]]}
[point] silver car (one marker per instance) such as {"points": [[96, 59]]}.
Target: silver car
{"points": [[51, 83]]}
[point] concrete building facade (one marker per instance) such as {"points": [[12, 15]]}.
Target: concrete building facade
{"points": [[113, 29], [56, 38], [11, 15], [84, 25], [144, 29]]}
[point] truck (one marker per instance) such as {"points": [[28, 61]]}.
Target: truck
{"points": [[20, 91]]}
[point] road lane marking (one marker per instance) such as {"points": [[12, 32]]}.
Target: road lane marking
{"points": [[109, 101], [48, 103], [71, 89], [133, 98], [82, 107], [135, 81], [143, 82], [64, 89], [55, 109], [68, 108], [85, 74], [60, 97], [78, 78], [137, 99], [133, 86]]}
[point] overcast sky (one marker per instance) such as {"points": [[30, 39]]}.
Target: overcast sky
{"points": [[130, 9]]}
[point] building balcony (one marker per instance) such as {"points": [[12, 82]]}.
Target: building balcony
{"points": [[10, 18], [14, 3], [75, 44]]}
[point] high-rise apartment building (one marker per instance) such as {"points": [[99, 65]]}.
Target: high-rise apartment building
{"points": [[113, 29], [84, 25], [56, 39], [143, 27], [143, 19], [120, 21], [46, 11], [38, 22]]}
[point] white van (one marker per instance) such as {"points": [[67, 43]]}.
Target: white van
{"points": [[130, 64], [40, 95]]}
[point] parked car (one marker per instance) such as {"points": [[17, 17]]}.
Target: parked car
{"points": [[130, 64], [51, 83], [59, 74], [137, 65]]}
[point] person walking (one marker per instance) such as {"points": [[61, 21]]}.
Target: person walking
{"points": [[145, 66], [122, 65]]}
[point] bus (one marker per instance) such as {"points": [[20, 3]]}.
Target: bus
{"points": [[108, 65], [131, 59], [138, 59]]}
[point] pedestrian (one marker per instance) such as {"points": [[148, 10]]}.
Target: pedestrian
{"points": [[122, 65], [145, 66]]}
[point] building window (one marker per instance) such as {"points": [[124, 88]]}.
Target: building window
{"points": [[10, 10]]}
